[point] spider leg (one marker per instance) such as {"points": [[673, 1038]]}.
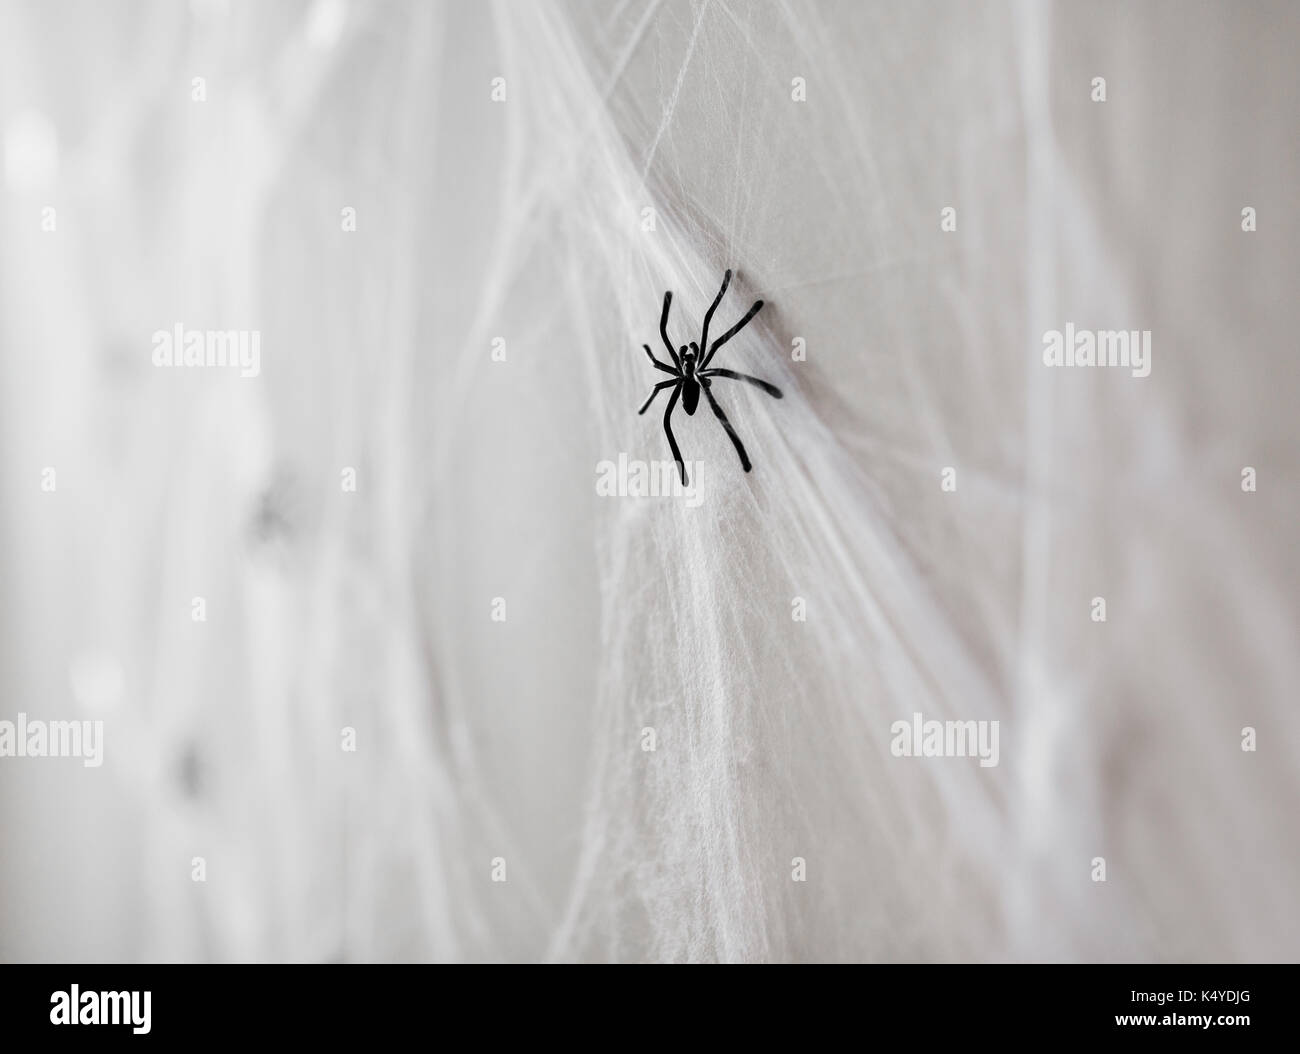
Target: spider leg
{"points": [[659, 365], [668, 430], [735, 439], [733, 331], [717, 371], [708, 315], [663, 330], [657, 389]]}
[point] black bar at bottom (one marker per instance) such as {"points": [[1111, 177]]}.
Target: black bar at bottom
{"points": [[368, 1004]]}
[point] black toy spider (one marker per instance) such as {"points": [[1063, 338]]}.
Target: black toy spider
{"points": [[690, 378]]}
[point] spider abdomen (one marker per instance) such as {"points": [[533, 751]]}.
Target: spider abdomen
{"points": [[690, 395]]}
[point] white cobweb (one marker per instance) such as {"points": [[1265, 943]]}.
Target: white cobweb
{"points": [[526, 220]]}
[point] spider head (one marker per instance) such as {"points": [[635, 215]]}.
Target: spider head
{"points": [[690, 355]]}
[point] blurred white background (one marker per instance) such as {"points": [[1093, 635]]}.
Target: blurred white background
{"points": [[523, 219]]}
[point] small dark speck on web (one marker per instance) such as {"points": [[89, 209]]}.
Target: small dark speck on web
{"points": [[275, 521], [271, 518], [189, 772]]}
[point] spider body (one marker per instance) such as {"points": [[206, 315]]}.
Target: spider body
{"points": [[690, 383], [691, 375]]}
